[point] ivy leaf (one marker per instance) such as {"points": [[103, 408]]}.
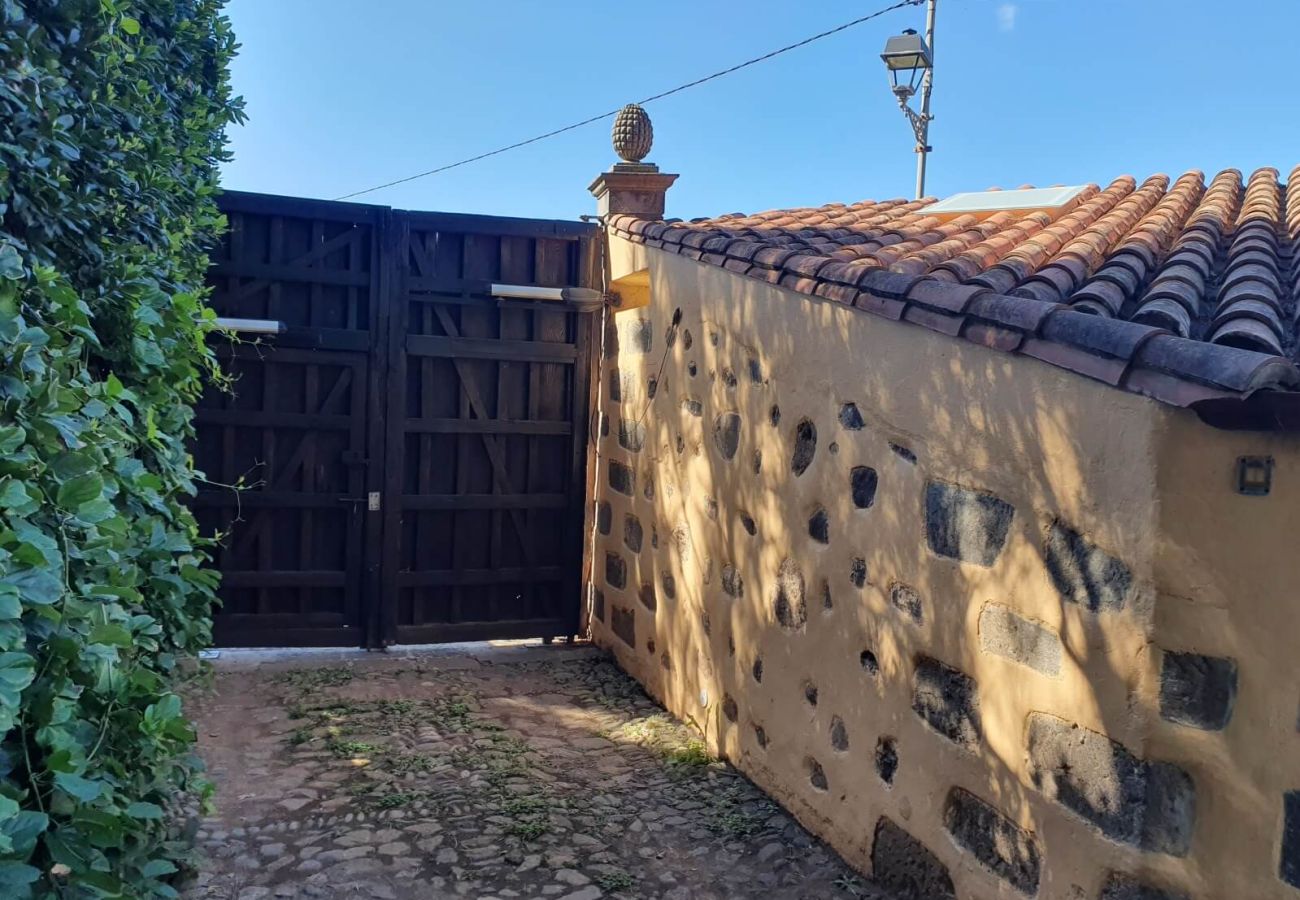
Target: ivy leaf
{"points": [[22, 830], [142, 810], [38, 586], [17, 670], [13, 495], [11, 263], [83, 789], [11, 438], [15, 878], [112, 634], [79, 490], [130, 25], [11, 607]]}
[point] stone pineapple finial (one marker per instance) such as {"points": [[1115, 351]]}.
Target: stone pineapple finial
{"points": [[632, 134], [632, 187]]}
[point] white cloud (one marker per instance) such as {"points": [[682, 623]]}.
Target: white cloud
{"points": [[1007, 16]]}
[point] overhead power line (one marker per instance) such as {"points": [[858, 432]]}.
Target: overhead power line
{"points": [[613, 112]]}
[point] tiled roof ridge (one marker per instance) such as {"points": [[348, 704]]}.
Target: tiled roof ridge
{"points": [[1127, 250]]}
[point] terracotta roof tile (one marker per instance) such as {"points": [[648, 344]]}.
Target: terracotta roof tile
{"points": [[1179, 289]]}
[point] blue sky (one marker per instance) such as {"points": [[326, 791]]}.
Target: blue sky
{"points": [[343, 95]]}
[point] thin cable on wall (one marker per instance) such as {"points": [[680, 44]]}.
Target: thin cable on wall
{"points": [[613, 112]]}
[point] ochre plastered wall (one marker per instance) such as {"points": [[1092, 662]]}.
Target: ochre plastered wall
{"points": [[991, 685]]}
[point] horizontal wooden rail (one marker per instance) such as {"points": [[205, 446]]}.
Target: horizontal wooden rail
{"points": [[463, 577], [486, 426], [476, 348], [483, 501]]}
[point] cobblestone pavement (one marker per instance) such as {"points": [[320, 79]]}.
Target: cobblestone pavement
{"points": [[549, 774]]}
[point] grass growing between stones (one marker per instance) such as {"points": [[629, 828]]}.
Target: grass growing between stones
{"points": [[614, 882], [738, 814]]}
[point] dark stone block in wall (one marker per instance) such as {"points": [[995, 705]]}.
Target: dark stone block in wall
{"points": [[648, 597], [805, 447], [862, 482], [669, 585], [729, 378], [1119, 886], [850, 418], [615, 385], [755, 370], [993, 839], [839, 735], [789, 604], [639, 336], [732, 584], [632, 533], [816, 775], [905, 599], [774, 415], [729, 708], [603, 516], [1289, 870], [1083, 573], [903, 865], [904, 453], [622, 621], [598, 603], [692, 406], [726, 434], [647, 489], [1151, 805], [1198, 690], [967, 525], [858, 572], [631, 435], [615, 571], [948, 700], [622, 478], [886, 759], [819, 527]]}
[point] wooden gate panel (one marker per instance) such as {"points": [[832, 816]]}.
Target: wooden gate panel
{"points": [[287, 433], [487, 535], [294, 426], [412, 447]]}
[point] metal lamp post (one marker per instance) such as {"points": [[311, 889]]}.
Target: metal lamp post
{"points": [[910, 59]]}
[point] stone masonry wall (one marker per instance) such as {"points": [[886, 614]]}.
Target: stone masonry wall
{"points": [[916, 589]]}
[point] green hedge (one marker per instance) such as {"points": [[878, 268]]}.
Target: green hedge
{"points": [[112, 118]]}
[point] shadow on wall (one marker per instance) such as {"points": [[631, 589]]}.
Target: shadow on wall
{"points": [[904, 582]]}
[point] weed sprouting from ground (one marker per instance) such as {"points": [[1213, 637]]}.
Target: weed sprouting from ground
{"points": [[528, 831], [352, 749], [613, 882], [692, 754], [396, 801]]}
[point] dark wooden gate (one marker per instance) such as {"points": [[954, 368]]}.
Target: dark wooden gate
{"points": [[411, 449]]}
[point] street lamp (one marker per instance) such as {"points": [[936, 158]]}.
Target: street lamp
{"points": [[910, 61]]}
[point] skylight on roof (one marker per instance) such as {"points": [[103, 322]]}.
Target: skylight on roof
{"points": [[999, 201]]}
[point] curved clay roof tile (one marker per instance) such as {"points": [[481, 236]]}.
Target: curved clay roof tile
{"points": [[1164, 313]]}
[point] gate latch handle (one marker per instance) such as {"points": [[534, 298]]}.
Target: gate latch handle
{"points": [[371, 500]]}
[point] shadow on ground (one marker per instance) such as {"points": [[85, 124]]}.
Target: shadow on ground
{"points": [[546, 773]]}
